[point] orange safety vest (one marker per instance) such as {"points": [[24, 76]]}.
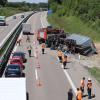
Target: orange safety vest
{"points": [[89, 85], [82, 83], [59, 54], [43, 46], [79, 95], [64, 58]]}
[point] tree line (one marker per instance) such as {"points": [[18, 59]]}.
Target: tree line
{"points": [[3, 2], [85, 9], [23, 5]]}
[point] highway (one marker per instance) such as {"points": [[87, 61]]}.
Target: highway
{"points": [[45, 77], [11, 24], [53, 82]]}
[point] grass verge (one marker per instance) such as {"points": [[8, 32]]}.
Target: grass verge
{"points": [[8, 11], [74, 24], [95, 72]]}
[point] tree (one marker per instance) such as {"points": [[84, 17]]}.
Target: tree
{"points": [[3, 2]]}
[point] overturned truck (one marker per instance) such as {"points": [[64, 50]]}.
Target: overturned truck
{"points": [[84, 45], [57, 39]]}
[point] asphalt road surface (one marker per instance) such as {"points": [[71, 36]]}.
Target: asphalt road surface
{"points": [[45, 77], [47, 82], [11, 23]]}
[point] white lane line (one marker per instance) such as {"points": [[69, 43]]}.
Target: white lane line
{"points": [[35, 55], [42, 21], [4, 40], [69, 78], [36, 74], [70, 81], [46, 23], [66, 73]]}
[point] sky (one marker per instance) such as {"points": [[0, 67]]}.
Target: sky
{"points": [[31, 1]]}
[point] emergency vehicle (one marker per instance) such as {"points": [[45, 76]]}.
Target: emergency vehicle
{"points": [[44, 33]]}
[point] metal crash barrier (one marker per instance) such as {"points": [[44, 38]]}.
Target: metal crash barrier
{"points": [[7, 47]]}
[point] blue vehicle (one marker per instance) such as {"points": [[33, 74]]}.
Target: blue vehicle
{"points": [[13, 70]]}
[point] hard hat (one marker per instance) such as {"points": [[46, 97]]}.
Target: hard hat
{"points": [[89, 78]]}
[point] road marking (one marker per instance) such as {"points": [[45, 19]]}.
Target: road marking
{"points": [[70, 81], [4, 40], [36, 74], [42, 21], [66, 73], [35, 54], [69, 78], [46, 23]]}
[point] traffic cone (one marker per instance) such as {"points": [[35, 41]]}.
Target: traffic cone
{"points": [[38, 66], [39, 83]]}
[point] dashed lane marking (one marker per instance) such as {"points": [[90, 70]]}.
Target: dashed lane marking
{"points": [[36, 74]]}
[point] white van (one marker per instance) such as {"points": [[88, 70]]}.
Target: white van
{"points": [[2, 20]]}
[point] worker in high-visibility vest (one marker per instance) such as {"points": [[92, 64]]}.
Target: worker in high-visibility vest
{"points": [[82, 84], [43, 47], [59, 53], [79, 94], [89, 88], [19, 41], [64, 60]]}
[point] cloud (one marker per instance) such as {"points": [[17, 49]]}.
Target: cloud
{"points": [[31, 1]]}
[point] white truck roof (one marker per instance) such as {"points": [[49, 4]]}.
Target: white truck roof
{"points": [[26, 27], [12, 88]]}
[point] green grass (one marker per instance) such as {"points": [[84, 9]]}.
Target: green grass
{"points": [[74, 24], [8, 11], [95, 72]]}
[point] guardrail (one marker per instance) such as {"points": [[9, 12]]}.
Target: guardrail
{"points": [[7, 47]]}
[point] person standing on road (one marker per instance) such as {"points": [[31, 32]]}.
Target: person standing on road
{"points": [[89, 88], [43, 47], [59, 53], [82, 85], [64, 60], [79, 94], [29, 48], [19, 41], [70, 94]]}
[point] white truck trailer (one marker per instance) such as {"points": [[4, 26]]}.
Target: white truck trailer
{"points": [[13, 89], [26, 29]]}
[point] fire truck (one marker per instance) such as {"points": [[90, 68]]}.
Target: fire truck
{"points": [[44, 33]]}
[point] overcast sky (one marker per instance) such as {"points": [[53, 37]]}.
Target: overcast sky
{"points": [[31, 1]]}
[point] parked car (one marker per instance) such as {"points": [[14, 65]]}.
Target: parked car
{"points": [[17, 60], [14, 17], [22, 16], [2, 21], [13, 70], [20, 54]]}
